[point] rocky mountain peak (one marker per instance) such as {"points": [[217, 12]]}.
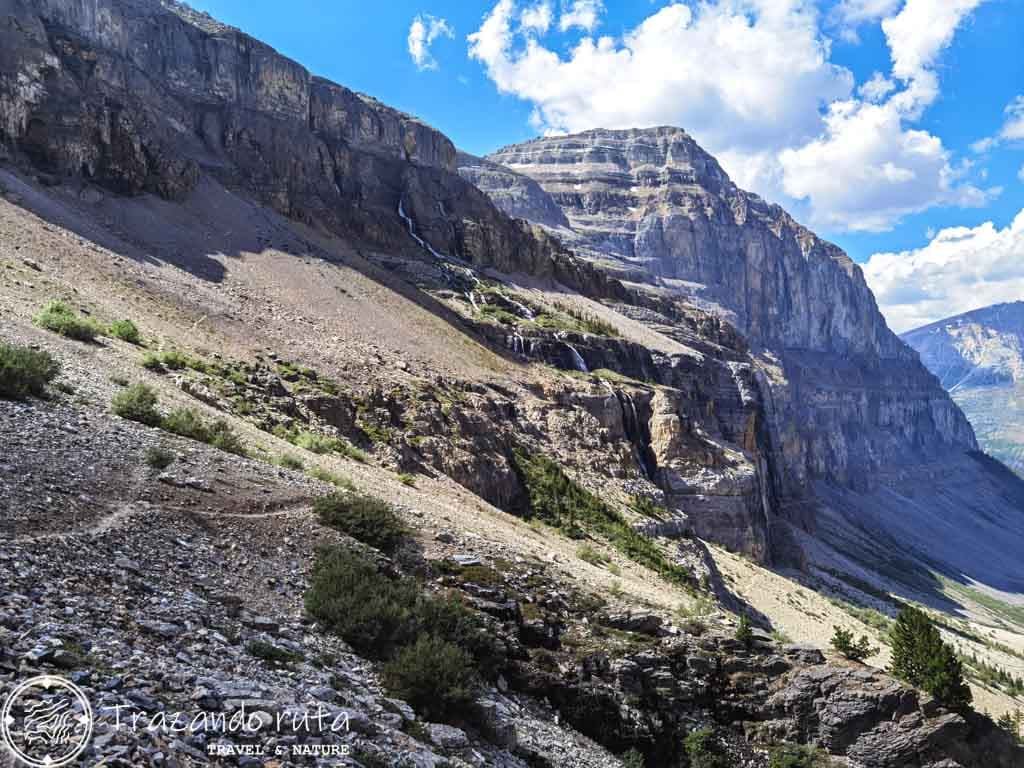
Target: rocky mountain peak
{"points": [[654, 206]]}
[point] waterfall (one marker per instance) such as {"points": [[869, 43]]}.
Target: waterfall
{"points": [[408, 222], [412, 232], [634, 430], [577, 358], [517, 343], [526, 312], [472, 300]]}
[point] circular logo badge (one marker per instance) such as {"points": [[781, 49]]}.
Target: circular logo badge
{"points": [[46, 722]]}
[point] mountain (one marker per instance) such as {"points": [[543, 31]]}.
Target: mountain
{"points": [[853, 422], [979, 358], [496, 488]]}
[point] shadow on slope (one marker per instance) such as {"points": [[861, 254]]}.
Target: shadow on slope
{"points": [[959, 519]]}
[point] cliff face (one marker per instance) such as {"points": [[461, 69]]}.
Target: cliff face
{"points": [[979, 358], [842, 395], [145, 96]]}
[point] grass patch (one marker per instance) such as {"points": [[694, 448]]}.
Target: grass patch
{"points": [[60, 318], [321, 444], [363, 517], [125, 330], [797, 756], [25, 372], [137, 403], [325, 476], [406, 479], [558, 500], [588, 554]]}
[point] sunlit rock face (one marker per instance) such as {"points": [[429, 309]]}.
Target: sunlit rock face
{"points": [[979, 358], [841, 394]]}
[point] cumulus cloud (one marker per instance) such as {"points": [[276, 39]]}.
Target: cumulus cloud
{"points": [[961, 269], [753, 82], [877, 170], [1012, 130], [854, 12], [877, 88], [423, 31], [585, 14], [537, 19], [922, 30]]}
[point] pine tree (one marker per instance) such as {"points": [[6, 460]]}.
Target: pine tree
{"points": [[920, 658], [855, 650]]}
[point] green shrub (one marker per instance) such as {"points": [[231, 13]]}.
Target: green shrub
{"points": [[703, 749], [372, 613], [174, 360], [159, 458], [25, 371], [588, 554], [435, 676], [378, 615], [189, 423], [125, 330], [60, 318], [151, 362], [744, 632], [632, 759], [185, 422], [221, 435], [796, 756], [407, 479], [288, 461], [921, 658], [137, 403], [363, 517], [855, 650]]}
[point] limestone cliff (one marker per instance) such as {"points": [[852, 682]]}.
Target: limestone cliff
{"points": [[842, 394]]}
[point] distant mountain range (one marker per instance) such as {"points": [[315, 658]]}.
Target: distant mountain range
{"points": [[979, 358]]}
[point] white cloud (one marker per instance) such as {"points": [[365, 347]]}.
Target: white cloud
{"points": [[752, 81], [537, 19], [959, 270], [734, 80], [1020, 173], [922, 30], [585, 14], [877, 88], [423, 31], [1013, 128], [853, 12], [867, 170]]}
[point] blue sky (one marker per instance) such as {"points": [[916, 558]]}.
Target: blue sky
{"points": [[784, 92]]}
